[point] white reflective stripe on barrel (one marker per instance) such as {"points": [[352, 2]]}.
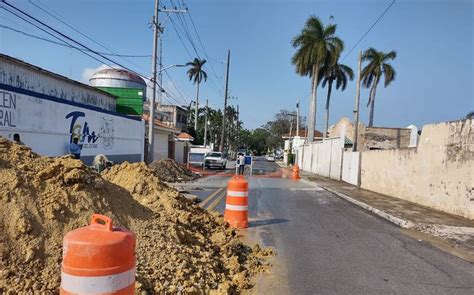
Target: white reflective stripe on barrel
{"points": [[237, 194], [236, 207], [94, 285]]}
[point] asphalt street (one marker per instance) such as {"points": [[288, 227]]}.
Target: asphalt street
{"points": [[326, 245]]}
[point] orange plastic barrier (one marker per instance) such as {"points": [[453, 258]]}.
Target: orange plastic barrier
{"points": [[236, 205], [98, 259], [296, 172]]}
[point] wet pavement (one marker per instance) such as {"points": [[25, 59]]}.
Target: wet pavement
{"points": [[326, 245]]}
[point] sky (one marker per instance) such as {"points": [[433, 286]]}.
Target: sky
{"points": [[434, 41]]}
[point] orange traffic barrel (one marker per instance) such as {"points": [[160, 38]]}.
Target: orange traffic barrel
{"points": [[98, 259], [296, 172], [236, 205]]}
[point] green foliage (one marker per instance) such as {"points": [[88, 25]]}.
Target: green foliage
{"points": [[195, 71], [315, 45]]}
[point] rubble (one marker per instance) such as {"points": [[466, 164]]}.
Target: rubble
{"points": [[170, 171], [181, 248]]}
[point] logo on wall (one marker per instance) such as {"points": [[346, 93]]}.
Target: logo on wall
{"points": [[86, 138], [107, 133]]}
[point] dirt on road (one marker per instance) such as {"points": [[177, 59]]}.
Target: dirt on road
{"points": [[181, 248], [170, 171]]}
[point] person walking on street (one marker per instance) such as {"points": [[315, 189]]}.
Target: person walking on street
{"points": [[241, 163], [75, 148]]}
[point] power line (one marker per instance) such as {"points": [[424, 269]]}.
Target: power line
{"points": [[57, 17], [202, 45], [71, 39], [176, 87], [371, 27], [186, 32], [66, 45]]}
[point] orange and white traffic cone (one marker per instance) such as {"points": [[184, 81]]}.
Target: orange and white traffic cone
{"points": [[296, 172], [236, 205], [98, 259]]}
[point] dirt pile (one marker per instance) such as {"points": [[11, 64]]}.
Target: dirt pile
{"points": [[181, 248], [170, 171]]}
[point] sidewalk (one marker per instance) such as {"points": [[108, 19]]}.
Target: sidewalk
{"points": [[446, 231]]}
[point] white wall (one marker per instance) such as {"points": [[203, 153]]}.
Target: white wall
{"points": [[323, 157], [48, 126], [160, 145], [31, 79], [350, 167], [179, 151]]}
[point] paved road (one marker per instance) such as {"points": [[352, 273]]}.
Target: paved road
{"points": [[328, 246]]}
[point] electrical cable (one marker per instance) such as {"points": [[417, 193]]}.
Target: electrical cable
{"points": [[65, 45], [71, 39], [371, 27], [57, 17]]}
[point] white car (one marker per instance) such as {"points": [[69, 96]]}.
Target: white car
{"points": [[271, 158], [215, 160]]}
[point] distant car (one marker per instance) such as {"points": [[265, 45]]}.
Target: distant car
{"points": [[215, 160], [270, 158]]}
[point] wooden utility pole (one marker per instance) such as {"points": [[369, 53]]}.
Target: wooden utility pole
{"points": [[221, 146], [205, 123], [356, 107]]}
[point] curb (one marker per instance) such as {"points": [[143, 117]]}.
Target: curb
{"points": [[403, 223]]}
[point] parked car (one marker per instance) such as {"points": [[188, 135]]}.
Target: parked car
{"points": [[215, 160], [270, 158]]}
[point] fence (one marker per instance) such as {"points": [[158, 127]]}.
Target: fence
{"points": [[323, 157]]}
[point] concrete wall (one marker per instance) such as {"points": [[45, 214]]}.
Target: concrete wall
{"points": [[350, 167], [439, 173], [179, 151], [18, 76], [373, 137], [323, 157], [47, 125], [383, 138]]}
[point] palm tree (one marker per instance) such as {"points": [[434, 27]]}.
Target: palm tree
{"points": [[338, 73], [372, 73], [196, 74], [316, 45]]}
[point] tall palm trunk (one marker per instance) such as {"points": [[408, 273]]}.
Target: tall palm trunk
{"points": [[373, 90], [196, 110], [312, 103], [328, 99]]}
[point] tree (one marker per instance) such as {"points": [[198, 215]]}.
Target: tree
{"points": [[315, 46], [196, 74], [338, 73], [372, 73]]}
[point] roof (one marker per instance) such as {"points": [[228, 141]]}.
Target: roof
{"points": [[118, 74], [161, 125], [185, 136], [302, 133], [25, 64]]}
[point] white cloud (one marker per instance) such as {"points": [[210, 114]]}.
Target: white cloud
{"points": [[88, 72]]}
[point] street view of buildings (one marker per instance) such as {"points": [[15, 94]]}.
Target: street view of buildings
{"points": [[249, 147]]}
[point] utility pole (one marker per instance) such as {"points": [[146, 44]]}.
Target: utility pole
{"points": [[157, 28], [205, 124], [221, 146], [356, 107], [151, 118], [238, 127], [298, 117]]}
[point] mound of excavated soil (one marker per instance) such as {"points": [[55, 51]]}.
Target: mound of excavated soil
{"points": [[170, 171], [180, 247]]}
